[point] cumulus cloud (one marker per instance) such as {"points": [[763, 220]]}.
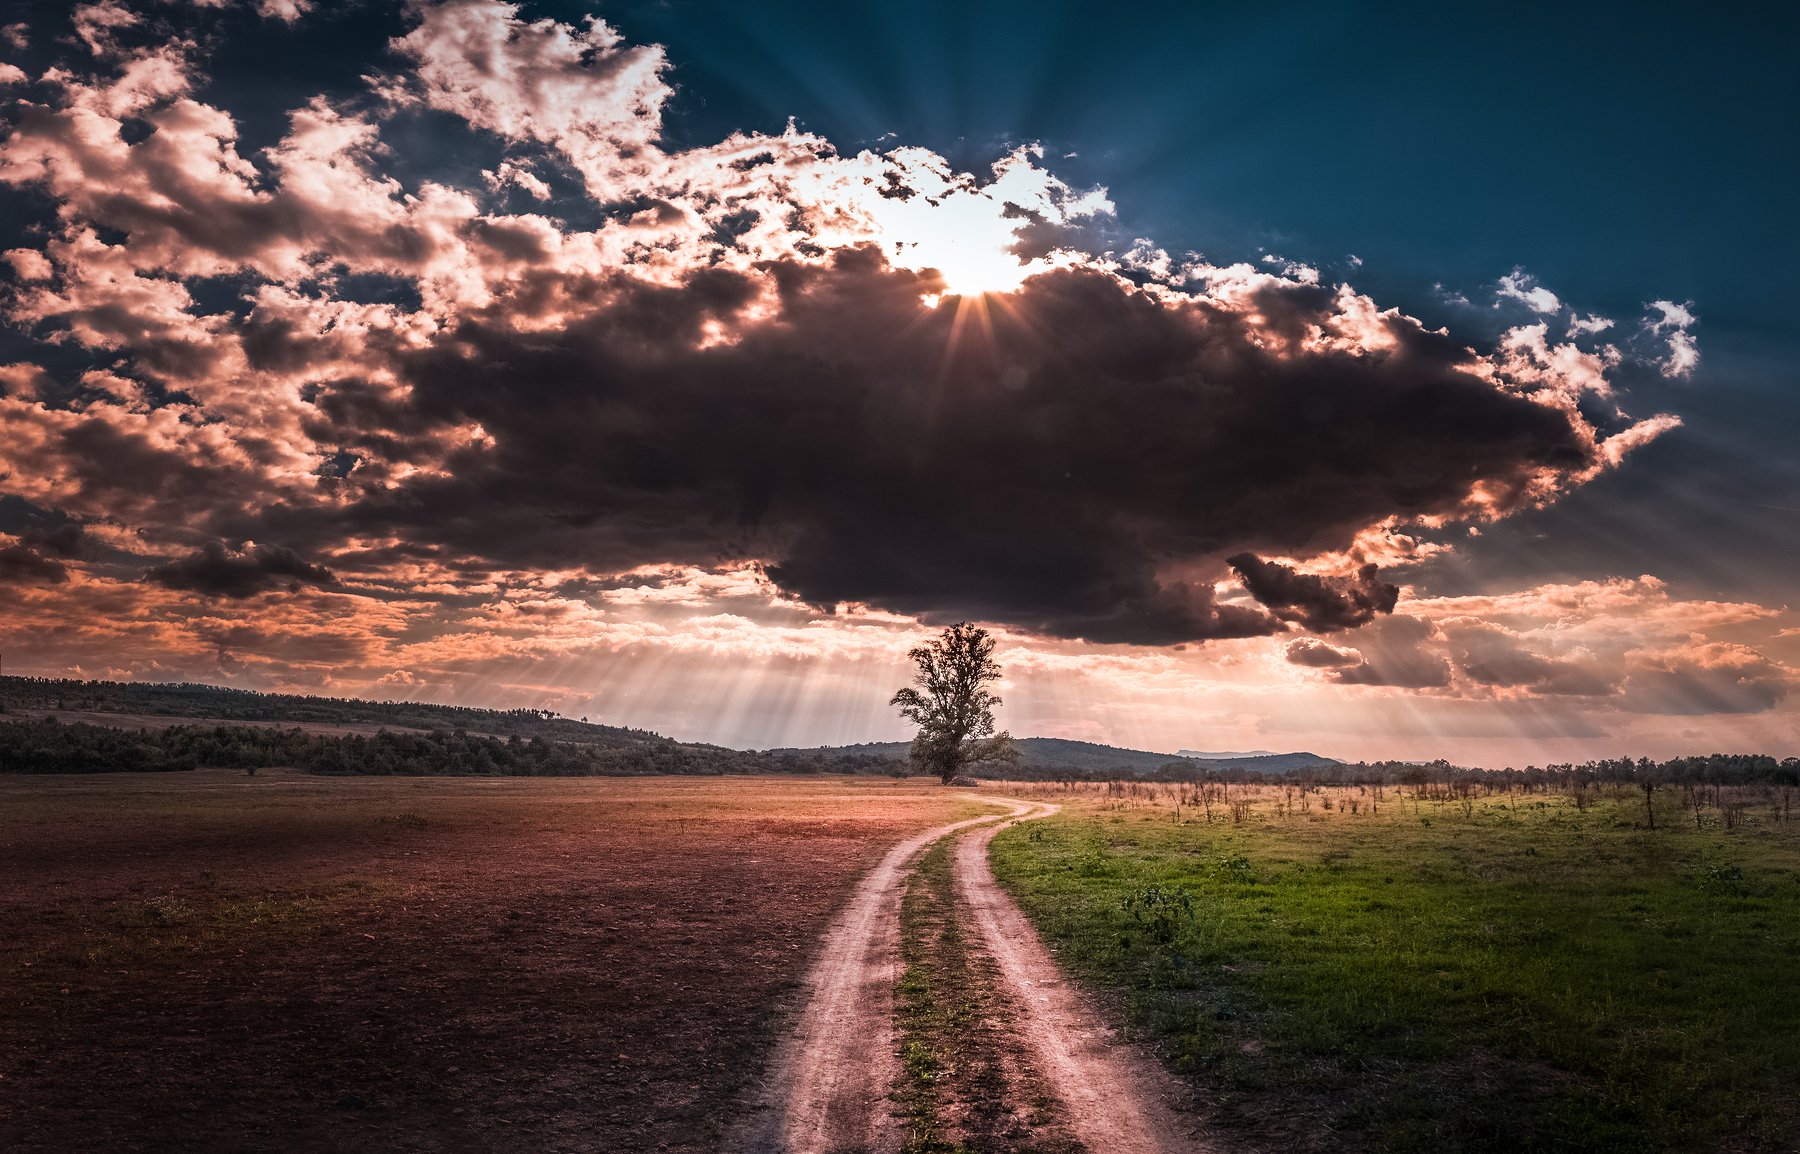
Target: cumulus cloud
{"points": [[98, 24], [1490, 655], [1673, 324], [892, 384], [1521, 286], [583, 91], [1315, 654], [1401, 653], [1619, 646], [286, 11], [1705, 678]]}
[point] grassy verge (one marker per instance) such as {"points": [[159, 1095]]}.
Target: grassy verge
{"points": [[1512, 974], [963, 1090]]}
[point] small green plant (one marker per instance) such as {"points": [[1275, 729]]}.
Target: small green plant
{"points": [[1093, 864], [1234, 868], [921, 1062], [1159, 913], [1724, 878]]}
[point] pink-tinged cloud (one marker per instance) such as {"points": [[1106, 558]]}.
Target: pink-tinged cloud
{"points": [[583, 91], [1704, 678]]}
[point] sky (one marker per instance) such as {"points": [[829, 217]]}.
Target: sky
{"points": [[1403, 382]]}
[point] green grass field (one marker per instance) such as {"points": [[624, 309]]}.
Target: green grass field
{"points": [[1506, 973]]}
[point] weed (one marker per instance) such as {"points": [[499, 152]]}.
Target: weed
{"points": [[1161, 915], [1721, 879]]}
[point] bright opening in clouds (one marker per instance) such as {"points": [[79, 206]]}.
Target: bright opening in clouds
{"points": [[471, 379]]}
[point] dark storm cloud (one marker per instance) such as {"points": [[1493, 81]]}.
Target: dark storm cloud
{"points": [[1078, 460], [37, 558], [1321, 604], [22, 566], [345, 333], [67, 541], [213, 570]]}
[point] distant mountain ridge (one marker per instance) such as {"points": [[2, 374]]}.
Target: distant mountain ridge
{"points": [[129, 703], [1090, 756]]}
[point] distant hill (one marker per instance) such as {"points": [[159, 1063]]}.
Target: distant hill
{"points": [[1042, 752], [218, 703], [147, 706], [1270, 762], [1092, 757], [64, 726], [1199, 755]]}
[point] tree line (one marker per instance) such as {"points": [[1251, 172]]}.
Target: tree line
{"points": [[215, 702], [1708, 769], [45, 745]]}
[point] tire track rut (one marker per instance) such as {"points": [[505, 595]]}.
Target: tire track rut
{"points": [[829, 1089], [1116, 1099]]}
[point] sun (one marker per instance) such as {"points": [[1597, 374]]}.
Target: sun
{"points": [[974, 268], [966, 237]]}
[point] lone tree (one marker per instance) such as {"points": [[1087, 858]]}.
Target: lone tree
{"points": [[949, 702]]}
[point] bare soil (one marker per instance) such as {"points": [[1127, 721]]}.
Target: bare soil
{"points": [[215, 962]]}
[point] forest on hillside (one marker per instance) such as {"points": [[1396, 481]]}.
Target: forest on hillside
{"points": [[45, 745], [215, 702]]}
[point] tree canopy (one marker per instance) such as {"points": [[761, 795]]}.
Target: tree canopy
{"points": [[950, 703]]}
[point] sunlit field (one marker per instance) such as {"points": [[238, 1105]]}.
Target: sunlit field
{"points": [[214, 961], [1419, 968]]}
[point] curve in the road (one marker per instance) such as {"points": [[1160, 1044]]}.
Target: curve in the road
{"points": [[1116, 1100], [828, 1090]]}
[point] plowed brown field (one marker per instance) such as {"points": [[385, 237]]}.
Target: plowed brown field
{"points": [[220, 962]]}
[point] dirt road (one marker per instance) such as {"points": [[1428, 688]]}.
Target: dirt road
{"points": [[831, 1080], [1115, 1099]]}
